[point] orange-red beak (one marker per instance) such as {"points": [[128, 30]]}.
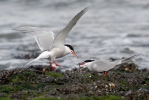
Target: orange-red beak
{"points": [[74, 54], [82, 63]]}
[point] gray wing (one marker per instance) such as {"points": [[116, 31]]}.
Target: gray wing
{"points": [[130, 58], [102, 65], [126, 60], [60, 37], [43, 36]]}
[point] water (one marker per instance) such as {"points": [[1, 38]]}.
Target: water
{"points": [[111, 28]]}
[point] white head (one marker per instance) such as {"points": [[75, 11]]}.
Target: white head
{"points": [[86, 63], [69, 50]]}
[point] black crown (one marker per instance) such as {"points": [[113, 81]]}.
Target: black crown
{"points": [[88, 60], [71, 48]]}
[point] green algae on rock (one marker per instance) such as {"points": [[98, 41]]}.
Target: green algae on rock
{"points": [[77, 84], [107, 97]]}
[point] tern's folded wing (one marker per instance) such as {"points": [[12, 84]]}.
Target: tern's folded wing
{"points": [[43, 36], [130, 58], [103, 65], [60, 37]]}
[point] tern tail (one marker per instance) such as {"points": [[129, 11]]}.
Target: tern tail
{"points": [[126, 60], [130, 58], [28, 64]]}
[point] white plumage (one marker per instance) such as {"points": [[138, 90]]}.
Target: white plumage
{"points": [[104, 65], [43, 36], [52, 47]]}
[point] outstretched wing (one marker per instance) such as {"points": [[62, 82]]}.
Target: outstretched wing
{"points": [[60, 37], [43, 36]]}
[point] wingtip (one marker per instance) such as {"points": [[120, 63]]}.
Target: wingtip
{"points": [[86, 8], [137, 55], [132, 57]]}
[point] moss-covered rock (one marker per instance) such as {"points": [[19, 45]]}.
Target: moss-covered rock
{"points": [[107, 97], [75, 84]]}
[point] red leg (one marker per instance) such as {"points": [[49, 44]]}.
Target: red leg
{"points": [[105, 73], [55, 63], [51, 67]]}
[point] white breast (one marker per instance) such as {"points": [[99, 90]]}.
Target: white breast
{"points": [[57, 53]]}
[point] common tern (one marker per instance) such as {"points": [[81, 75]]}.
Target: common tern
{"points": [[104, 66], [52, 48]]}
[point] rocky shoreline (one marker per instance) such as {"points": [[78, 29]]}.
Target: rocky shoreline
{"points": [[34, 83]]}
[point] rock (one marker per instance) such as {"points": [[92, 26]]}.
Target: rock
{"points": [[33, 82], [2, 95]]}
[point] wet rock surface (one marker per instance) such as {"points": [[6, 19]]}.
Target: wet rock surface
{"points": [[130, 84]]}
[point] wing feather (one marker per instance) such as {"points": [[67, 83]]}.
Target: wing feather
{"points": [[101, 65], [43, 36], [60, 37]]}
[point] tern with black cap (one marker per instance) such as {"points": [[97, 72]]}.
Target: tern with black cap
{"points": [[52, 47], [104, 65]]}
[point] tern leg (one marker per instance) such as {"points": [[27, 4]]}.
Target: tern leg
{"points": [[51, 67], [56, 63], [105, 73]]}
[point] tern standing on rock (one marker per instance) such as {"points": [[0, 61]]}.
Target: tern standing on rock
{"points": [[52, 47], [104, 65]]}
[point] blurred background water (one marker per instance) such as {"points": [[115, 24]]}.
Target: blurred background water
{"points": [[110, 29]]}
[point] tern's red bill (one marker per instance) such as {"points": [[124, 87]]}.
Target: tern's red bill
{"points": [[74, 54], [82, 63]]}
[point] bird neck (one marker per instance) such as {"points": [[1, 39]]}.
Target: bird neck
{"points": [[67, 50], [88, 64]]}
